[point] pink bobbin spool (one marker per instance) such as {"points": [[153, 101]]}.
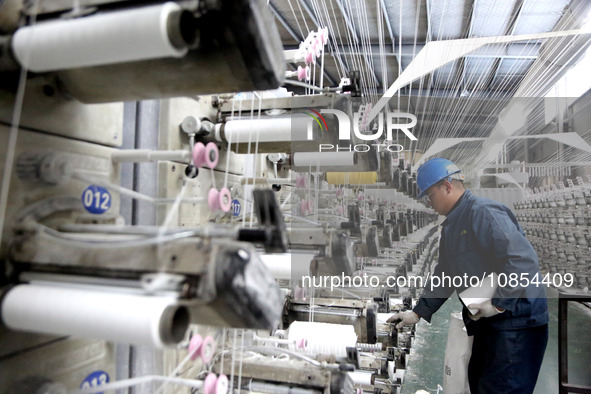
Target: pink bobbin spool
{"points": [[304, 207], [317, 47], [301, 343], [213, 200], [340, 210], [212, 155], [221, 386], [301, 182], [205, 155], [209, 384], [303, 73], [198, 154], [310, 59], [360, 197], [225, 199], [207, 349], [219, 199], [194, 346], [310, 205], [324, 35]]}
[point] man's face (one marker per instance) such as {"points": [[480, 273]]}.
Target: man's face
{"points": [[436, 197]]}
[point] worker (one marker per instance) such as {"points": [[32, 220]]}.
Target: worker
{"points": [[478, 237]]}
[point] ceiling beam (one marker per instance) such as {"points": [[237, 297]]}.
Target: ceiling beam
{"points": [[482, 76], [518, 7], [514, 51], [385, 17], [388, 24]]}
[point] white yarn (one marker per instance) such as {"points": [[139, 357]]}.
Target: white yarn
{"points": [[322, 338]]}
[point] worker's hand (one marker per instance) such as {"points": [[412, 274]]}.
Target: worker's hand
{"points": [[407, 318], [484, 309]]}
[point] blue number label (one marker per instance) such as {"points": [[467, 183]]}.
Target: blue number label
{"points": [[236, 207], [95, 379], [96, 199]]}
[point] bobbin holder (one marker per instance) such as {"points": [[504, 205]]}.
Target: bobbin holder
{"points": [[268, 213], [354, 223]]}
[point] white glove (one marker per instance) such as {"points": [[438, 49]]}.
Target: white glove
{"points": [[484, 309], [407, 318]]}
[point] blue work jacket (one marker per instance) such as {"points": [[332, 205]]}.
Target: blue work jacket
{"points": [[480, 236]]}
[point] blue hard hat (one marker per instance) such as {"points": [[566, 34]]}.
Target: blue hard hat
{"points": [[432, 171]]}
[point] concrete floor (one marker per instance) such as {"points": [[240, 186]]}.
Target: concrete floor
{"points": [[426, 362]]}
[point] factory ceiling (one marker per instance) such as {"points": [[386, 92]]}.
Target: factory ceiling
{"points": [[462, 98]]}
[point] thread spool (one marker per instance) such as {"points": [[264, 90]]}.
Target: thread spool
{"points": [[207, 349], [150, 320], [219, 199], [301, 182], [205, 155], [323, 338], [326, 160], [324, 35], [310, 59], [194, 346], [351, 178], [203, 348], [303, 73], [304, 207], [370, 347], [317, 47], [198, 153], [215, 384], [267, 129], [116, 37], [302, 343], [222, 384], [211, 155], [362, 378], [209, 384]]}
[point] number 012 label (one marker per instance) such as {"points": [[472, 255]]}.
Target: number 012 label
{"points": [[96, 199], [95, 379]]}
